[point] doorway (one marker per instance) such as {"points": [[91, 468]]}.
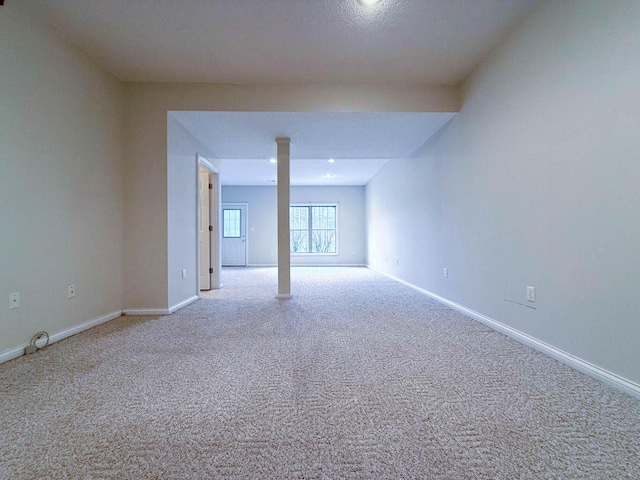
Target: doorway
{"points": [[234, 234], [208, 221]]}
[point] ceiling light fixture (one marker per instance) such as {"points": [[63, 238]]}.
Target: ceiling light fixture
{"points": [[273, 161], [332, 160], [369, 3]]}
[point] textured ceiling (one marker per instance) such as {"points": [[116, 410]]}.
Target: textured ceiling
{"points": [[284, 41]]}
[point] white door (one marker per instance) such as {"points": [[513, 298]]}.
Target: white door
{"points": [[234, 235], [204, 234]]}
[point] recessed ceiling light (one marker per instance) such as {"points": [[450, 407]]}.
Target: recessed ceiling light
{"points": [[332, 160], [369, 3], [273, 161]]}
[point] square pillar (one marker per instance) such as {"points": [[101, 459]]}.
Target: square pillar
{"points": [[284, 253]]}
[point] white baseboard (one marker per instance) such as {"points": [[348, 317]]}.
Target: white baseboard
{"points": [[56, 337], [328, 265], [183, 304], [146, 311], [160, 311], [310, 265], [572, 361]]}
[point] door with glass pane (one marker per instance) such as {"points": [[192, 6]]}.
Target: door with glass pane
{"points": [[234, 235]]}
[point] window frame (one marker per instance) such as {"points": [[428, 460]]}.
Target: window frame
{"points": [[337, 229]]}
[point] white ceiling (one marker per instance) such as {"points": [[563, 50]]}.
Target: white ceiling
{"points": [[360, 143], [400, 42], [283, 41]]}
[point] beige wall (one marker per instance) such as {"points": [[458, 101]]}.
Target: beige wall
{"points": [[147, 176], [535, 182], [61, 184]]}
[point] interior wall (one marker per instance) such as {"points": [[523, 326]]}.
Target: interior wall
{"points": [[145, 204], [182, 150], [351, 223], [403, 219], [535, 183], [263, 228], [146, 200], [61, 176]]}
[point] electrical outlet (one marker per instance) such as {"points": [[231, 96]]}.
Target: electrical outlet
{"points": [[531, 294], [14, 300], [445, 272], [71, 291], [184, 273]]}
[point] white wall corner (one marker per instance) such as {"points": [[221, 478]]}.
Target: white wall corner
{"points": [[160, 311], [183, 304]]}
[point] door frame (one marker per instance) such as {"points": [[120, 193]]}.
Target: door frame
{"points": [[215, 205], [246, 229], [205, 229]]}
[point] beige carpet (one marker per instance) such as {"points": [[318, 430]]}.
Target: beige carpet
{"points": [[355, 377]]}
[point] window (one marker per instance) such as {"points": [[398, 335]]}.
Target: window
{"points": [[314, 229], [231, 223]]}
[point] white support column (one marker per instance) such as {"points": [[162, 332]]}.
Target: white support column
{"points": [[284, 255]]}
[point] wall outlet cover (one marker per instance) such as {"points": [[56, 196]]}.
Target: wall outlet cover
{"points": [[531, 294], [14, 300]]}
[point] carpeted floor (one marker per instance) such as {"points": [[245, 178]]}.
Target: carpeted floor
{"points": [[355, 377]]}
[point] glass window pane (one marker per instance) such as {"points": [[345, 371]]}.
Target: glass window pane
{"points": [[299, 218], [313, 229], [324, 217], [231, 223], [299, 241], [324, 241]]}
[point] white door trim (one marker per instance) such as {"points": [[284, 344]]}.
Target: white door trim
{"points": [[214, 212], [204, 230]]}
